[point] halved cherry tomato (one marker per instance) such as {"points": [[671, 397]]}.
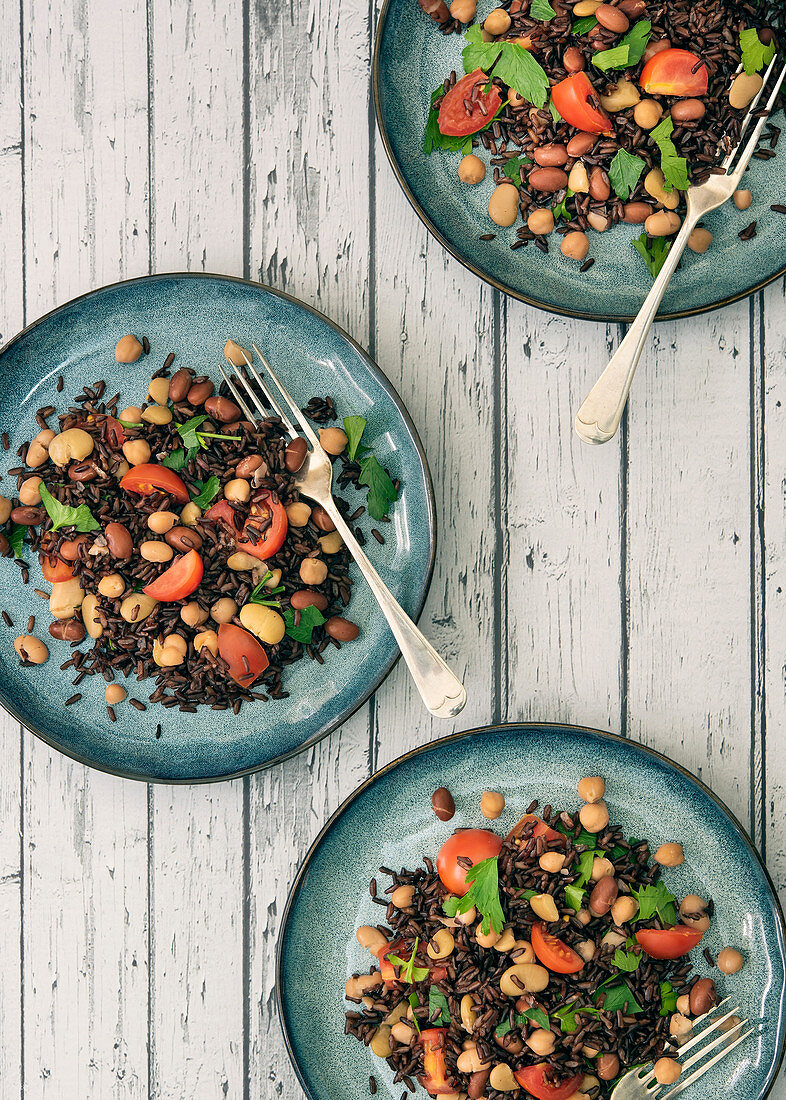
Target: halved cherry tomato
{"points": [[386, 967], [55, 570], [273, 538], [115, 435], [533, 1079], [553, 953], [149, 477], [573, 98], [541, 829], [475, 844], [671, 72], [453, 119], [234, 644], [179, 580], [668, 943], [434, 1078]]}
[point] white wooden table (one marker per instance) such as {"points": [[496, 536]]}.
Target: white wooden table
{"points": [[638, 587]]}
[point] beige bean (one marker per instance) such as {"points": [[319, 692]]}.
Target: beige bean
{"points": [[331, 544], [730, 1024], [533, 977], [497, 21], [587, 949], [578, 178], [5, 509], [112, 586], [136, 451], [594, 816], [298, 513], [667, 1070], [242, 562], [699, 240], [506, 942], [131, 415], [612, 939], [742, 200], [502, 1079], [654, 184], [38, 451], [161, 522], [402, 896], [370, 937], [586, 7], [663, 223], [73, 444], [158, 390], [114, 694], [679, 1025], [492, 803], [31, 649], [441, 945], [551, 862], [313, 571], [744, 89], [623, 95], [128, 349], [238, 490], [471, 169], [192, 614], [693, 912], [93, 624], [504, 204], [403, 1033], [729, 960], [469, 1016], [265, 623], [599, 222], [190, 514], [541, 1042], [356, 987], [541, 222], [380, 1042], [29, 492], [683, 1004], [136, 607], [469, 1061], [544, 906], [223, 610], [235, 353], [157, 414], [584, 916], [575, 245], [647, 114], [670, 854], [155, 551], [206, 639], [66, 598], [486, 939]]}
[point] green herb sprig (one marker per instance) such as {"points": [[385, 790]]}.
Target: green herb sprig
{"points": [[514, 65], [261, 594], [63, 515], [409, 972], [310, 617], [381, 490], [755, 55], [653, 252]]}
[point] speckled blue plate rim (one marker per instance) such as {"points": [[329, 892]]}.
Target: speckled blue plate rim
{"points": [[8, 704], [510, 727], [609, 318]]}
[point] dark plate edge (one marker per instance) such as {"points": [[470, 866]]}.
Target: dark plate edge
{"points": [[503, 727], [387, 385], [609, 318]]}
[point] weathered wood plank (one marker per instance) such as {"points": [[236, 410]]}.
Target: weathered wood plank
{"points": [[84, 896], [196, 142]]}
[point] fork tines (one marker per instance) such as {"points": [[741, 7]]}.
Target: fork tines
{"points": [[755, 111]]}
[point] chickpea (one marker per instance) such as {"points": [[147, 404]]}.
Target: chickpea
{"points": [[171, 652], [402, 896], [263, 622], [502, 1079], [551, 862], [333, 440], [624, 94], [471, 169], [464, 10], [223, 610], [136, 607], [541, 222], [331, 544], [663, 223], [66, 598], [153, 550], [5, 509], [242, 562], [541, 1042], [699, 240], [594, 816], [403, 1033], [587, 949], [497, 21], [679, 1025], [670, 855], [38, 451], [370, 937], [441, 945], [161, 522], [238, 490], [128, 349], [114, 694], [158, 390], [492, 803], [575, 245], [120, 469], [584, 916], [647, 114], [655, 185], [544, 906], [624, 909], [190, 514], [298, 513], [578, 178], [192, 614], [31, 649], [93, 624], [729, 960], [599, 222], [600, 868], [136, 451], [157, 414], [207, 639], [742, 200], [504, 204], [313, 571], [112, 586], [667, 1070], [131, 415], [73, 444]]}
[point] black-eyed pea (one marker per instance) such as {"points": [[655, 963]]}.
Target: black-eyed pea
{"points": [[467, 918], [742, 200], [575, 245], [331, 543], [170, 652], [298, 513], [497, 21], [469, 1016], [136, 451], [223, 610], [544, 906], [65, 598], [128, 349], [594, 816], [154, 551], [506, 942], [612, 939], [744, 89], [241, 562], [441, 944], [670, 854], [667, 1070], [522, 952], [31, 649], [112, 586], [157, 414], [655, 185], [729, 960], [313, 571], [274, 580], [402, 896], [136, 607], [190, 514], [132, 415], [501, 1078], [263, 622], [492, 803], [601, 866], [624, 909], [523, 978], [333, 440], [114, 694], [238, 490], [192, 614], [551, 862], [161, 522], [587, 949], [29, 491], [699, 240], [471, 169], [38, 451], [206, 639], [693, 913], [380, 1042], [590, 1081], [663, 223], [515, 99], [158, 390], [469, 1061], [592, 788], [93, 624], [71, 445], [486, 939], [504, 204], [120, 469], [370, 937], [541, 1042]]}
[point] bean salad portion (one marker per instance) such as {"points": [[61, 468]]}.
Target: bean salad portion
{"points": [[545, 962], [176, 543]]}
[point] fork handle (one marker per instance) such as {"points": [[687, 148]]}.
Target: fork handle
{"points": [[441, 691], [599, 416]]}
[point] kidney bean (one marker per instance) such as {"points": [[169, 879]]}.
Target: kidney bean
{"points": [[341, 629], [688, 110], [201, 389], [581, 143], [442, 804], [702, 996], [183, 539], [304, 598], [28, 517], [477, 1083], [607, 1066], [599, 185], [613, 19], [295, 454], [633, 8], [656, 47], [82, 471], [222, 409], [5, 546], [249, 465], [636, 213], [118, 539], [551, 156], [604, 894], [180, 384], [69, 548], [322, 519], [573, 60], [548, 179], [67, 630]]}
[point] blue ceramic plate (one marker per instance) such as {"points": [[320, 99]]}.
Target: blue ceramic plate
{"points": [[389, 821], [411, 58], [193, 315]]}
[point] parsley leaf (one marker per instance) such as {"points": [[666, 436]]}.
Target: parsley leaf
{"points": [[207, 490], [438, 1000], [535, 1014], [620, 996], [520, 71], [561, 211], [450, 906], [653, 253], [63, 515], [484, 894], [541, 9], [586, 859], [567, 1015], [673, 166], [409, 972], [435, 139], [583, 25], [615, 58], [554, 112], [625, 172], [176, 460], [415, 1002], [668, 999], [354, 426], [629, 50], [16, 538], [188, 432], [656, 900], [309, 618], [478, 54], [755, 55], [381, 490], [511, 169], [574, 896], [626, 960]]}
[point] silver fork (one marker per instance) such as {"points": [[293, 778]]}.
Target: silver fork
{"points": [[640, 1083], [599, 416], [441, 691]]}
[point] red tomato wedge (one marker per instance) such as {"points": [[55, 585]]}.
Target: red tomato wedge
{"points": [[149, 477], [435, 1076], [533, 1079], [475, 844], [386, 968], [55, 570], [453, 120], [541, 829], [179, 580], [674, 72], [668, 943], [273, 537], [115, 436], [235, 644], [553, 953], [573, 97]]}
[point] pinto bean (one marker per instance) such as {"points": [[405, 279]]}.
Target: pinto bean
{"points": [[200, 390], [322, 519], [581, 143], [573, 60], [183, 539], [636, 213], [599, 186], [180, 384], [341, 629], [28, 517], [303, 598], [702, 996], [477, 1083], [118, 539], [67, 630], [604, 894], [221, 408], [551, 156], [295, 454], [548, 179], [613, 19], [688, 110], [249, 465]]}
